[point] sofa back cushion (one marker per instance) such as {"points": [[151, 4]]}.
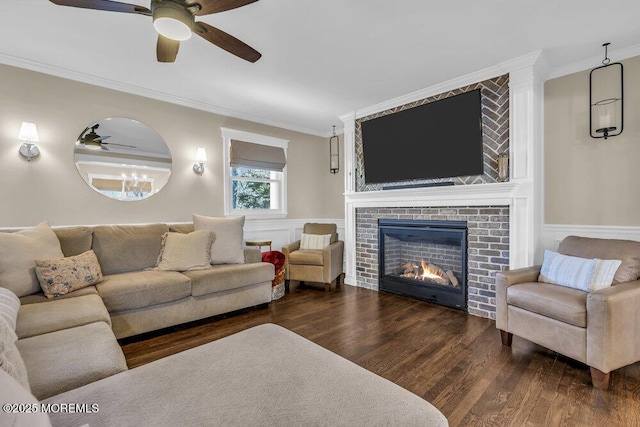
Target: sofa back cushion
{"points": [[17, 253], [125, 248], [181, 228], [74, 240], [627, 251]]}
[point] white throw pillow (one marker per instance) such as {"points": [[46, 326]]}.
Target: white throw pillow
{"points": [[9, 306], [314, 241], [227, 248], [184, 252], [605, 270], [18, 252], [587, 275], [10, 359]]}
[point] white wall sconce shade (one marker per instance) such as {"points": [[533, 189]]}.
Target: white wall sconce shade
{"points": [[29, 134], [201, 159]]}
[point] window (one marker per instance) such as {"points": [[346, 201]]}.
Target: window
{"points": [[256, 174]]}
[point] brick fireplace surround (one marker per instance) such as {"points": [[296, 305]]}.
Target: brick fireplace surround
{"points": [[487, 250], [504, 218]]}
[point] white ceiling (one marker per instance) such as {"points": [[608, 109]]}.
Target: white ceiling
{"points": [[321, 58]]}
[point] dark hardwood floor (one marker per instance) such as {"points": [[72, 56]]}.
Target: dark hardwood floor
{"points": [[451, 359]]}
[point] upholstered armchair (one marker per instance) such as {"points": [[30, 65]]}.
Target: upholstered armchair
{"points": [[600, 328], [320, 265]]}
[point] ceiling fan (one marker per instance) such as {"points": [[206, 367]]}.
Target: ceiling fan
{"points": [[174, 20], [90, 139]]}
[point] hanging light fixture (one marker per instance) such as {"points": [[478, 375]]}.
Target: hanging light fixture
{"points": [[334, 152], [606, 112]]}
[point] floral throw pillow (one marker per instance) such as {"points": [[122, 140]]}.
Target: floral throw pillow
{"points": [[60, 276]]}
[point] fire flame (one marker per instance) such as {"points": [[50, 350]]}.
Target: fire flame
{"points": [[428, 272]]}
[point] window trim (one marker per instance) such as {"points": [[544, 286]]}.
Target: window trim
{"points": [[227, 136]]}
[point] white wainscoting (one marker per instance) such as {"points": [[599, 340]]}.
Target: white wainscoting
{"points": [[283, 231], [554, 233]]}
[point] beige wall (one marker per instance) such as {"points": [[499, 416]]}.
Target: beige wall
{"points": [[591, 181], [50, 188]]}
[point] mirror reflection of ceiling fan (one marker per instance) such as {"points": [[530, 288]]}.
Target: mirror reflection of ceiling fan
{"points": [[174, 20], [90, 139]]}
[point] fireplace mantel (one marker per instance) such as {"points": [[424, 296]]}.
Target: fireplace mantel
{"points": [[493, 194]]}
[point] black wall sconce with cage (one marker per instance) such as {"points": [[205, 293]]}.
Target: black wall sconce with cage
{"points": [[606, 98]]}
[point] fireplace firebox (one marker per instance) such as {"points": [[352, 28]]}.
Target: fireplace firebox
{"points": [[424, 259]]}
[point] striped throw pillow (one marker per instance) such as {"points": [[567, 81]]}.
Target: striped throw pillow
{"points": [[587, 275], [314, 241]]}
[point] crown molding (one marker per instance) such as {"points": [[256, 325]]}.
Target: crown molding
{"points": [[594, 61], [149, 93]]}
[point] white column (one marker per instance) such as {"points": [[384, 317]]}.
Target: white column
{"points": [[349, 121], [526, 142]]}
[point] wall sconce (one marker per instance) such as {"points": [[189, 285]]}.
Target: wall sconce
{"points": [[201, 159], [334, 152], [29, 134], [606, 112]]}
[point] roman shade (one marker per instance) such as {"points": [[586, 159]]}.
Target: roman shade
{"points": [[257, 156]]}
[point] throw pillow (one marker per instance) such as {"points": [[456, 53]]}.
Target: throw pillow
{"points": [[17, 252], [10, 359], [9, 306], [569, 271], [314, 241], [587, 275], [61, 276], [605, 272], [227, 248], [183, 252]]}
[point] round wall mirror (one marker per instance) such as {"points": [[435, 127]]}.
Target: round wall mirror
{"points": [[122, 159]]}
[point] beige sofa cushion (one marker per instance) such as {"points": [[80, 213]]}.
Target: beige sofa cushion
{"points": [[224, 277], [40, 297], [123, 248], [74, 240], [557, 302], [17, 252], [227, 248], [306, 257], [54, 315], [181, 228], [625, 250], [139, 289], [70, 358]]}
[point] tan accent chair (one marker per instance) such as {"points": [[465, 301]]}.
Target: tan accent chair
{"points": [[317, 266], [600, 329]]}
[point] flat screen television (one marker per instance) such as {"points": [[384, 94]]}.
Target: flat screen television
{"points": [[441, 139]]}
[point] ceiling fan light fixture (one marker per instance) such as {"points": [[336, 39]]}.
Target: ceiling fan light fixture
{"points": [[173, 21]]}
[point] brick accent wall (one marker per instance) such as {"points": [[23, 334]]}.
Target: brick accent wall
{"points": [[487, 247], [495, 130]]}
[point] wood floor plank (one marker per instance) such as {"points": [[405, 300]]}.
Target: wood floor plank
{"points": [[453, 360]]}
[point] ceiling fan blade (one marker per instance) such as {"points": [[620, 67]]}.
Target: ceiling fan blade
{"points": [[108, 5], [166, 49], [226, 41], [101, 138], [208, 7]]}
